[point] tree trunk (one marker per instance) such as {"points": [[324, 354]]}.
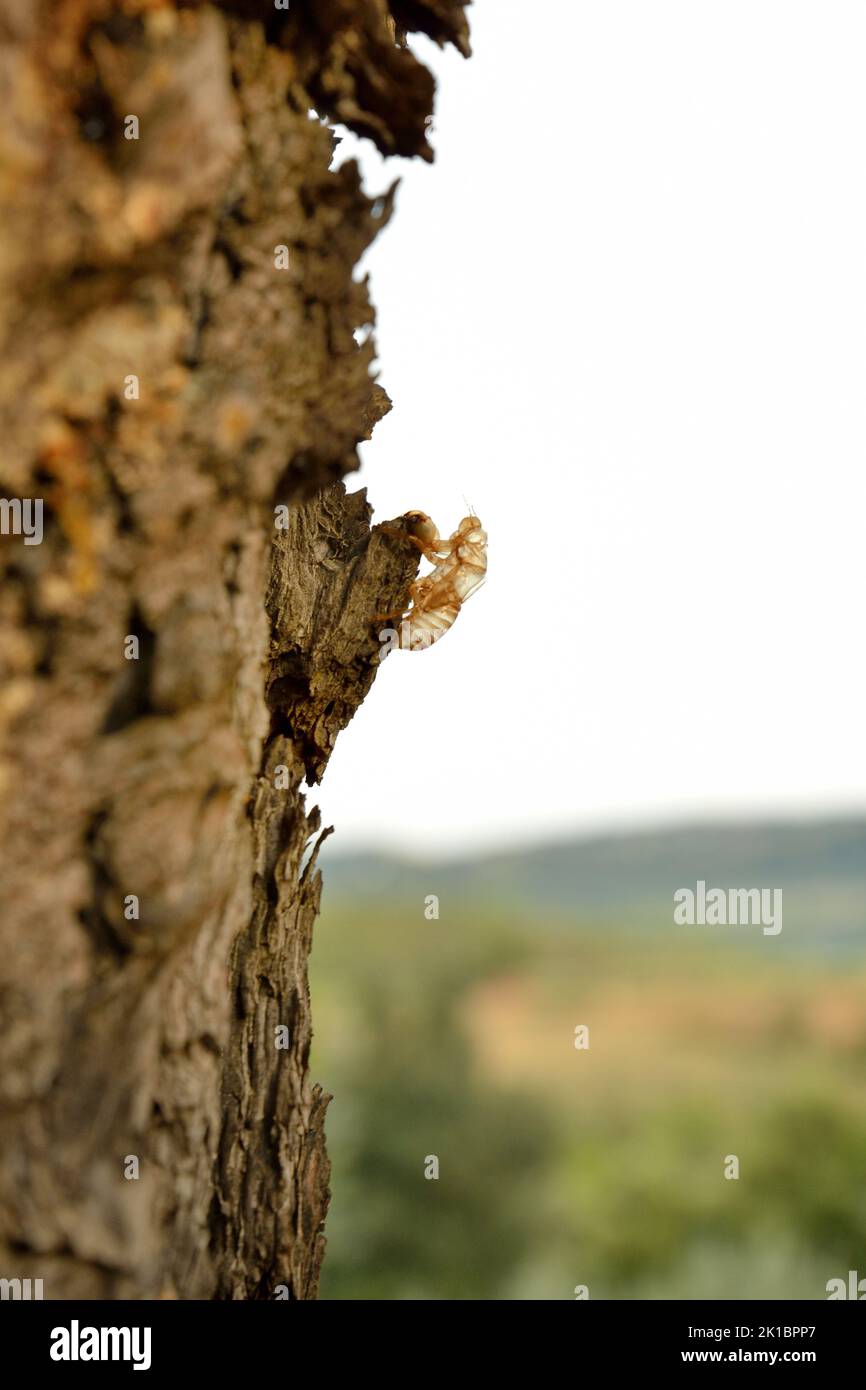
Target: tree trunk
{"points": [[181, 386]]}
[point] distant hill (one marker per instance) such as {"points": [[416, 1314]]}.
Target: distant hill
{"points": [[630, 879]]}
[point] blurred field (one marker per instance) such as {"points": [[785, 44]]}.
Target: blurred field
{"points": [[603, 1167]]}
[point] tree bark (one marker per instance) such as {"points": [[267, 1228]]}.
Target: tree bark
{"points": [[169, 381]]}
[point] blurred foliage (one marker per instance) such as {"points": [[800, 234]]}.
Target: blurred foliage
{"points": [[604, 1167]]}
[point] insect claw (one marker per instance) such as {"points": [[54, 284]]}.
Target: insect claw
{"points": [[404, 536], [387, 617]]}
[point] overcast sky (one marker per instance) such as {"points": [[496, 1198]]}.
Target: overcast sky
{"points": [[624, 313]]}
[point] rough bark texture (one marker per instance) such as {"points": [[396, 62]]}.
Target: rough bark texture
{"points": [[177, 777]]}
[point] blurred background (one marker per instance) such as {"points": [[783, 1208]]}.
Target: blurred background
{"points": [[624, 315], [604, 1166]]}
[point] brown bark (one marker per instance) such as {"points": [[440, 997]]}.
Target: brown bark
{"points": [[177, 777]]}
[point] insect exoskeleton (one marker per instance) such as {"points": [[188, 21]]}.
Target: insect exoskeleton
{"points": [[459, 567]]}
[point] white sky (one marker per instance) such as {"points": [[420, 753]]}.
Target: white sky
{"points": [[624, 313]]}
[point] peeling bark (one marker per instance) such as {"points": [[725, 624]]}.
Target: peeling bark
{"points": [[177, 777]]}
